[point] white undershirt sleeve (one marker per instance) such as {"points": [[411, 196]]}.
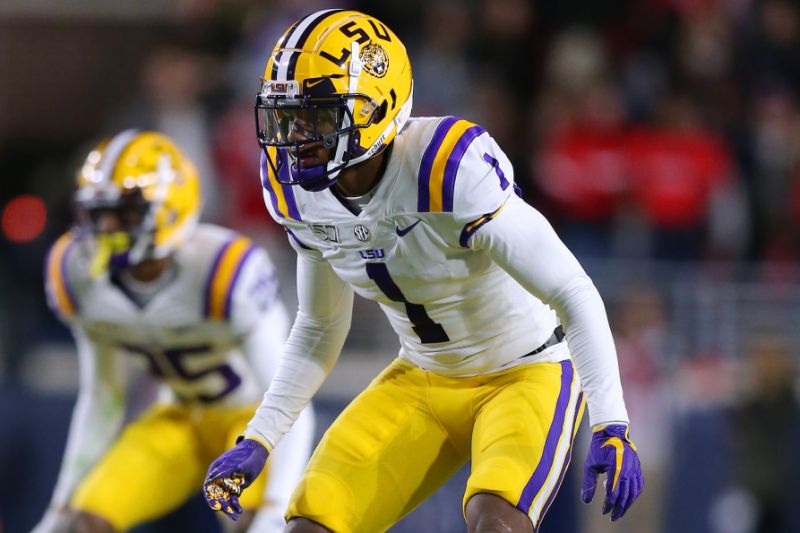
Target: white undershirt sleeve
{"points": [[522, 242], [325, 306], [263, 346], [97, 416]]}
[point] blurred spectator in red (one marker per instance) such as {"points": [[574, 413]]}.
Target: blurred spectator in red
{"points": [[683, 185], [580, 167], [236, 156]]}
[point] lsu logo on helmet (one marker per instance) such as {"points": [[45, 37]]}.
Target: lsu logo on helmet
{"points": [[375, 60], [336, 77]]}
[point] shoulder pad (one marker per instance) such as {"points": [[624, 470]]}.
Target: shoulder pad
{"points": [[223, 274], [440, 163], [60, 293]]}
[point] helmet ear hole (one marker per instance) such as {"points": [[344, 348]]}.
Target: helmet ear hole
{"points": [[380, 114]]}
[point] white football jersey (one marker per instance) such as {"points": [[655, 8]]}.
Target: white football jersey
{"points": [[190, 334], [455, 311]]}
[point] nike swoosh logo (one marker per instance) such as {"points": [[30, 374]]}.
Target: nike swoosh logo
{"points": [[314, 83], [616, 442], [402, 231]]}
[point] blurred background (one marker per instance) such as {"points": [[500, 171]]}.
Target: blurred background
{"points": [[660, 137]]}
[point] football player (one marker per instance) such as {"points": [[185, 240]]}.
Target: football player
{"points": [[502, 334], [195, 303]]}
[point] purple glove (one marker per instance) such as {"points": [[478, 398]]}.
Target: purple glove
{"points": [[612, 452], [232, 472]]}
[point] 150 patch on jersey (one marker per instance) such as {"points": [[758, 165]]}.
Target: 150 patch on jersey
{"points": [[326, 232]]}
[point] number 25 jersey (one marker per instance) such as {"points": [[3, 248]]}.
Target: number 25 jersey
{"points": [[212, 333], [456, 312]]}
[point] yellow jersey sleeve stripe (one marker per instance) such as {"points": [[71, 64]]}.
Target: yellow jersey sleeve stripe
{"points": [[441, 161], [436, 184], [59, 294], [223, 276]]}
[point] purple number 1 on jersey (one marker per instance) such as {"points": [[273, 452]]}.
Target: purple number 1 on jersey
{"points": [[428, 331], [496, 166]]}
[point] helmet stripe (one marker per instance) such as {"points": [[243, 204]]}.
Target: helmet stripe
{"points": [[296, 39], [290, 72], [113, 151], [274, 59]]}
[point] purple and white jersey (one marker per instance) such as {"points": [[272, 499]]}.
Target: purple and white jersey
{"points": [[454, 309], [219, 305]]}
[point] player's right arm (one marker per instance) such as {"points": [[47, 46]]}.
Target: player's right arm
{"points": [[99, 411], [325, 305], [96, 420]]}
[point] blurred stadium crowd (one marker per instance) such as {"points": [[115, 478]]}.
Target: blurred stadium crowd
{"points": [[660, 137]]}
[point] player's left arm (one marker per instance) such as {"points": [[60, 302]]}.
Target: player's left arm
{"points": [[262, 318], [521, 241]]}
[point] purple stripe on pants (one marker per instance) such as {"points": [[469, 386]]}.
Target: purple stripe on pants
{"points": [[537, 480], [564, 467]]}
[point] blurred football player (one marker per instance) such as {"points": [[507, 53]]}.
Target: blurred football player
{"points": [[502, 334], [197, 304]]}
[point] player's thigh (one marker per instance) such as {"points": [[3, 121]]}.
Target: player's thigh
{"points": [[523, 435], [381, 457], [150, 470]]}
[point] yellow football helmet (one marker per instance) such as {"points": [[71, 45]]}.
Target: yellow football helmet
{"points": [[336, 78], [149, 187]]}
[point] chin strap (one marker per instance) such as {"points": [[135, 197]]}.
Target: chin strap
{"points": [[396, 124]]}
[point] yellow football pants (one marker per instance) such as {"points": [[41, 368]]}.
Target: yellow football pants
{"points": [[159, 461], [410, 430]]}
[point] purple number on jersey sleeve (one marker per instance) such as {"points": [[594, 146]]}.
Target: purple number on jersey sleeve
{"points": [[175, 357], [496, 165]]}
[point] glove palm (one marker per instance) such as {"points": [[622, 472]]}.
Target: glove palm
{"points": [[231, 473]]}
